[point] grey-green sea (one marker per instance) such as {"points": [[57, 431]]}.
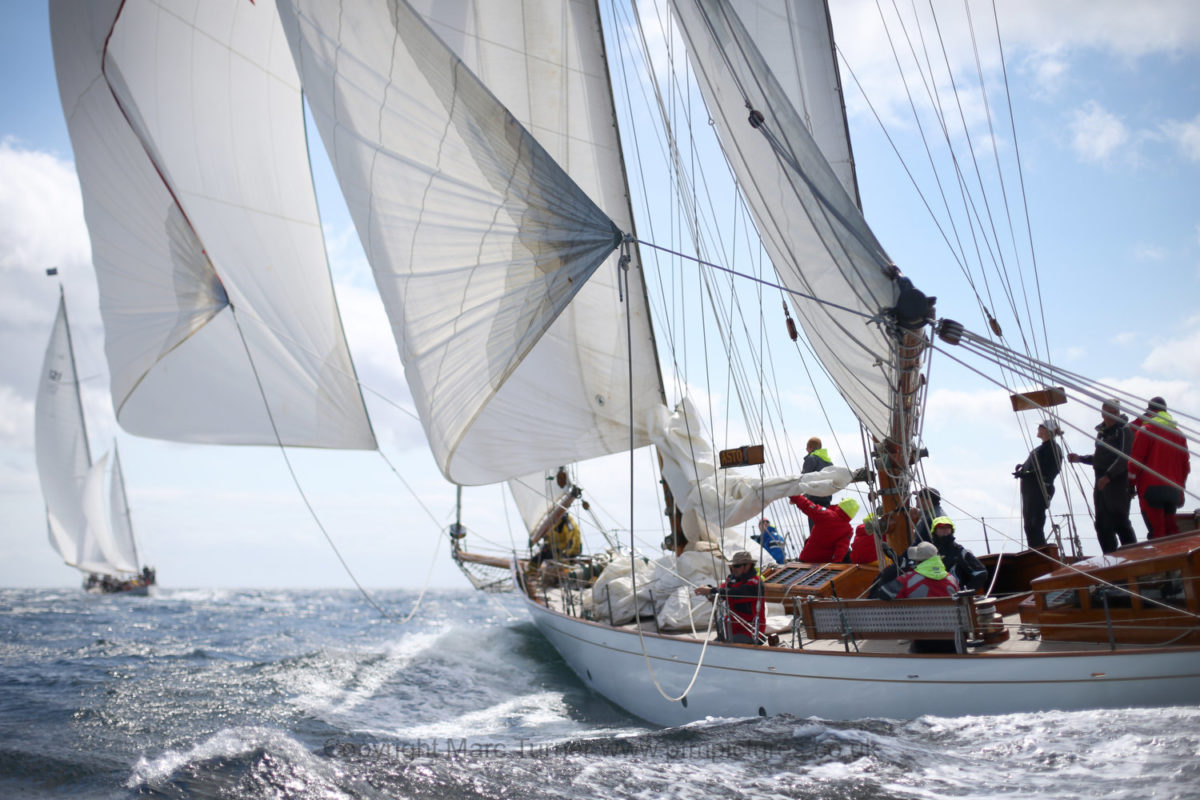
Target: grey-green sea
{"points": [[315, 694]]}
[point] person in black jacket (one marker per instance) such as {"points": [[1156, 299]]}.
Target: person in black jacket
{"points": [[1110, 462], [959, 561], [816, 458], [1037, 476], [929, 507]]}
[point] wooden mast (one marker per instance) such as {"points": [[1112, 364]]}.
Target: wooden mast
{"points": [[896, 455]]}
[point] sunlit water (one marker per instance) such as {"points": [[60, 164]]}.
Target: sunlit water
{"points": [[286, 694]]}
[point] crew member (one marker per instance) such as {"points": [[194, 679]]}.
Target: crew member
{"points": [[746, 622]]}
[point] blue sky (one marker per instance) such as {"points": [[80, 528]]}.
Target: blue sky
{"points": [[1107, 101]]}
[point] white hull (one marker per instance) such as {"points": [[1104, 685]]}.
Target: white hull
{"points": [[744, 681]]}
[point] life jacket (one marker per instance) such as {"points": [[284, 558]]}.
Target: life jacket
{"points": [[928, 579], [565, 541], [747, 605], [772, 542]]}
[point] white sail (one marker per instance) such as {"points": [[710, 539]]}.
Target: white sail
{"points": [[121, 523], [794, 39], [476, 145], [95, 537], [187, 125], [60, 442], [796, 43], [534, 495], [809, 222], [103, 549], [73, 488]]}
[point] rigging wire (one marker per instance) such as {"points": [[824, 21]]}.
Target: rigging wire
{"points": [[292, 471], [1084, 391], [755, 279], [237, 317]]}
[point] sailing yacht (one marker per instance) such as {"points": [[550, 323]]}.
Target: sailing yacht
{"points": [[93, 536], [488, 173]]}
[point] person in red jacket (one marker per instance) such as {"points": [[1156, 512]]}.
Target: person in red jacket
{"points": [[862, 549], [830, 536], [1158, 468], [746, 622]]}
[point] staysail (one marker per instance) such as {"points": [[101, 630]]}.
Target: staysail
{"points": [[805, 210], [118, 506], [187, 125], [476, 146]]}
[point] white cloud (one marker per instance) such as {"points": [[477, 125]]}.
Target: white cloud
{"points": [[41, 225], [1118, 27], [1185, 136], [1179, 357], [1124, 338], [16, 419], [1150, 252], [1050, 70], [41, 211], [1097, 134], [1044, 36]]}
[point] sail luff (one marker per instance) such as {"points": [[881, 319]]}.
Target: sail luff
{"points": [[78, 390]]}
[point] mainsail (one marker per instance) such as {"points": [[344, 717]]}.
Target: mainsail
{"points": [[187, 125], [73, 487], [476, 145]]}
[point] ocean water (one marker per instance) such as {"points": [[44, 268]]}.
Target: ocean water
{"points": [[312, 694]]}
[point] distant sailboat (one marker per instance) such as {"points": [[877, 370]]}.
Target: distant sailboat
{"points": [[91, 535], [483, 160]]}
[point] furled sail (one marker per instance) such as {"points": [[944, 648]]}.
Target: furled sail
{"points": [[187, 125], [806, 212], [722, 498], [475, 143]]}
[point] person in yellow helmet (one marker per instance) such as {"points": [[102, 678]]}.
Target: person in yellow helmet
{"points": [[959, 561]]}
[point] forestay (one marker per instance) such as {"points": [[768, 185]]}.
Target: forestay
{"points": [[476, 146], [187, 125]]}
